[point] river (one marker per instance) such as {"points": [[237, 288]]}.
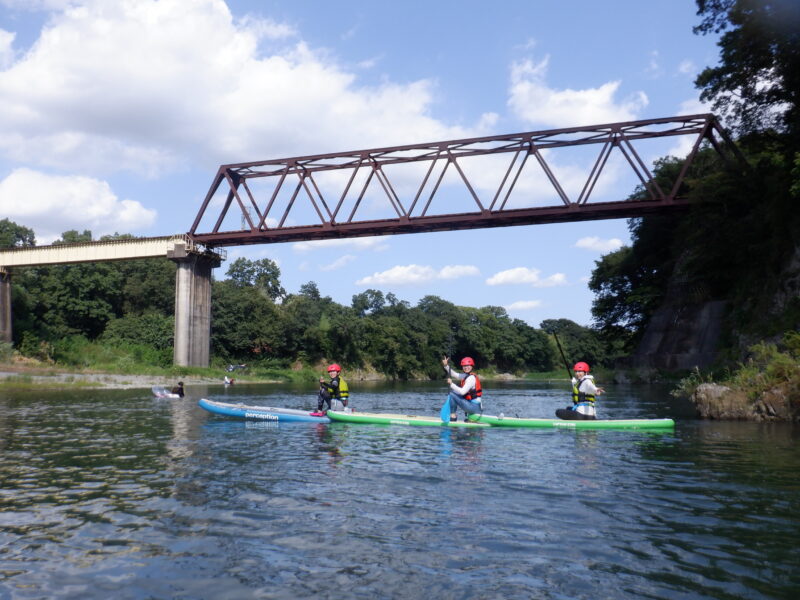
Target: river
{"points": [[115, 494]]}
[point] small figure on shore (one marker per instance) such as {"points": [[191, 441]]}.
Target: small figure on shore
{"points": [[584, 392], [467, 395], [334, 393], [178, 389]]}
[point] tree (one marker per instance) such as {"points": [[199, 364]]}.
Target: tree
{"points": [[73, 236], [148, 285], [577, 342], [245, 325], [370, 301], [71, 299], [757, 82], [15, 236], [263, 274], [310, 290]]}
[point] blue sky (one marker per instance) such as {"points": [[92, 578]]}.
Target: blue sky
{"points": [[114, 117]]}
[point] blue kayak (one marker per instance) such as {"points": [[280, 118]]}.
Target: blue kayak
{"points": [[261, 413]]}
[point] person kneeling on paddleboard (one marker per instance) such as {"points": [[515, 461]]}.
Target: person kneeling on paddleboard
{"points": [[467, 396], [584, 392], [178, 389], [335, 392]]}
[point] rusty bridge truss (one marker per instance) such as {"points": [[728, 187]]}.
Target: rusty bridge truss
{"points": [[330, 196]]}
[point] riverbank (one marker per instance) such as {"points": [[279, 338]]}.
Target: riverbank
{"points": [[723, 403], [33, 373], [57, 379]]}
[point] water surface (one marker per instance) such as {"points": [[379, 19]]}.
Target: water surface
{"points": [[114, 494]]}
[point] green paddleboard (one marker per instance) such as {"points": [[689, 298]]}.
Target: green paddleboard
{"points": [[393, 419], [501, 421]]}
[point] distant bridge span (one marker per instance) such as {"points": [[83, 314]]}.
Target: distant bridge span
{"points": [[336, 206]]}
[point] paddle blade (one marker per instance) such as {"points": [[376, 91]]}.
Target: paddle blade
{"points": [[444, 414]]}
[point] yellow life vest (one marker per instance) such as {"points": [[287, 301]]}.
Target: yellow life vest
{"points": [[578, 397]]}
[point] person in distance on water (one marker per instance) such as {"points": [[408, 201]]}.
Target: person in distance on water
{"points": [[584, 392], [335, 392], [178, 389], [467, 395]]}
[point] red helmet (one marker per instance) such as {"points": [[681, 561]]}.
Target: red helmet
{"points": [[335, 367], [467, 361], [581, 366]]}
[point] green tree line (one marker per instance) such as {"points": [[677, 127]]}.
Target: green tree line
{"points": [[130, 305]]}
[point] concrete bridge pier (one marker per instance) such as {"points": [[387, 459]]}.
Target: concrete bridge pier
{"points": [[193, 309], [5, 307]]}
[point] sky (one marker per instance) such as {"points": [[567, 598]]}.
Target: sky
{"points": [[115, 116]]}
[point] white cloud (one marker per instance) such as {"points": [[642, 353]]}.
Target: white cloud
{"points": [[694, 106], [51, 205], [687, 67], [6, 48], [524, 275], [417, 274], [338, 263], [653, 68], [595, 244], [532, 99], [363, 243], [523, 305], [683, 144], [152, 87]]}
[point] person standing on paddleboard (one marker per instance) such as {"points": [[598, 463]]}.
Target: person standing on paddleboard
{"points": [[335, 392], [584, 392], [468, 394]]}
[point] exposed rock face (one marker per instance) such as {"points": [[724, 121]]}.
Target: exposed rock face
{"points": [[722, 403], [681, 336]]}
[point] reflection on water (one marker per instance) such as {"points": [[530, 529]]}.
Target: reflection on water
{"points": [[114, 494]]}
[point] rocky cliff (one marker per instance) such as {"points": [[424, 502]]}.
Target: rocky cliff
{"points": [[685, 331]]}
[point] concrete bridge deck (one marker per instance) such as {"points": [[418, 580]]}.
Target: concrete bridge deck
{"points": [[172, 246]]}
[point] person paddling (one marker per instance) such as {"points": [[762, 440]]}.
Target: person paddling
{"points": [[335, 393], [467, 395], [584, 392], [178, 389]]}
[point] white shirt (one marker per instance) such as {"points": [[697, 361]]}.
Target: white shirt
{"points": [[468, 383], [586, 385]]}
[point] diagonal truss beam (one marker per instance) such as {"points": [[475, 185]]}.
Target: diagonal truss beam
{"points": [[296, 178]]}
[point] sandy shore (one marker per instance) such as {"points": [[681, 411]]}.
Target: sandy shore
{"points": [[100, 380]]}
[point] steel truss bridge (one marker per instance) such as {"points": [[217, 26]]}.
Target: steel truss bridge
{"points": [[266, 196]]}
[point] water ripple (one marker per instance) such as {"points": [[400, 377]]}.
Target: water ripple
{"points": [[111, 494]]}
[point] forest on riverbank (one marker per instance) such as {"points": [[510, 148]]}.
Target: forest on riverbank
{"points": [[739, 243], [74, 314]]}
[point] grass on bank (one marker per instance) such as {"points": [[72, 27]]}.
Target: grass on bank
{"points": [[79, 355], [76, 354], [768, 367]]}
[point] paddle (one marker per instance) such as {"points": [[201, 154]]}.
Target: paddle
{"points": [[564, 358], [444, 413]]}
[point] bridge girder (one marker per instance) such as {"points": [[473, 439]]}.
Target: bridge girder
{"points": [[293, 179]]}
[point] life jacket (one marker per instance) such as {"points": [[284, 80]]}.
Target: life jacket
{"points": [[578, 397], [344, 391], [476, 392]]}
